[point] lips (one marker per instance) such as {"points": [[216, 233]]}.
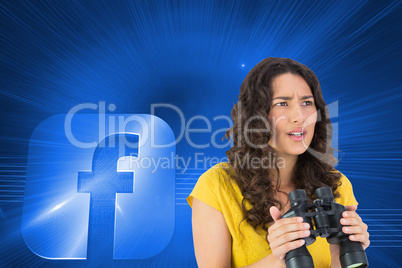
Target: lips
{"points": [[297, 132]]}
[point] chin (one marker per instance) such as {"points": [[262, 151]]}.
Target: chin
{"points": [[298, 152]]}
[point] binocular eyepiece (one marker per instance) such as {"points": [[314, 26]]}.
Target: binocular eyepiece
{"points": [[326, 214]]}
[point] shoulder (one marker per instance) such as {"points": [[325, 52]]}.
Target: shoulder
{"points": [[345, 189], [218, 178], [217, 173], [344, 183], [212, 184]]}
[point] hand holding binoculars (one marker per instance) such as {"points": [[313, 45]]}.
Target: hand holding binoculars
{"points": [[326, 214]]}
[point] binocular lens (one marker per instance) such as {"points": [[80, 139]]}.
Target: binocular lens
{"points": [[297, 196], [324, 193], [357, 260], [355, 265], [299, 258], [352, 254]]}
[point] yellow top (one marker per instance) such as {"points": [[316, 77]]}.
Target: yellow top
{"points": [[216, 189]]}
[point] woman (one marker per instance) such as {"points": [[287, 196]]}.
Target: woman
{"points": [[281, 142]]}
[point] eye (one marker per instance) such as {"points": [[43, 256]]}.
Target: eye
{"points": [[281, 104], [308, 103]]}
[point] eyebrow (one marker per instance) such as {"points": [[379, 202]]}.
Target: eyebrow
{"points": [[289, 98]]}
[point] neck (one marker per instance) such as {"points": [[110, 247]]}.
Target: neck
{"points": [[286, 164]]}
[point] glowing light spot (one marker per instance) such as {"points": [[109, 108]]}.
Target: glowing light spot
{"points": [[59, 206]]}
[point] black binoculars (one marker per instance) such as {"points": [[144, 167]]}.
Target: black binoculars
{"points": [[326, 214]]}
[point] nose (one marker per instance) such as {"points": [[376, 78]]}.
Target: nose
{"points": [[296, 115]]}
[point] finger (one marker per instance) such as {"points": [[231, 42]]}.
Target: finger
{"points": [[351, 221], [275, 213], [354, 230], [350, 214], [284, 249], [351, 208], [278, 230], [288, 228], [287, 221], [364, 239], [287, 238]]}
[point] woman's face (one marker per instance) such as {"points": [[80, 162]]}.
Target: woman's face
{"points": [[292, 115]]}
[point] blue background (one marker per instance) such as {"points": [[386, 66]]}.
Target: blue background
{"points": [[195, 54]]}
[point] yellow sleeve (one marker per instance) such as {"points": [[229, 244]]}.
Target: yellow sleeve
{"points": [[207, 189], [345, 189]]}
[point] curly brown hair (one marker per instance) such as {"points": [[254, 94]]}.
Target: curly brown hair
{"points": [[314, 168]]}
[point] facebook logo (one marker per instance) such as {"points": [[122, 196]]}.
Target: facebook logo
{"points": [[90, 191]]}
